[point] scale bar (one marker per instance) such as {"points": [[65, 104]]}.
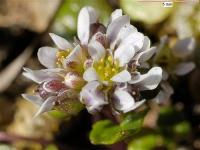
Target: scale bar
{"points": [[176, 1]]}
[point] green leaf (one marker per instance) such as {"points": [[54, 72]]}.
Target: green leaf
{"points": [[106, 132], [102, 131], [182, 128], [146, 12], [69, 108], [145, 142], [151, 140], [58, 114], [51, 147]]}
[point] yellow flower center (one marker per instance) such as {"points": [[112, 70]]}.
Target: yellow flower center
{"points": [[107, 67], [61, 55]]}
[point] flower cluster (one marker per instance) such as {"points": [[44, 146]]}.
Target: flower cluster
{"points": [[101, 68]]}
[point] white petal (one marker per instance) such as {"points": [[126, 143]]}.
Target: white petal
{"points": [[115, 26], [35, 99], [93, 98], [47, 56], [90, 75], [86, 17], [136, 105], [40, 76], [124, 53], [93, 15], [125, 31], [96, 50], [184, 47], [161, 97], [46, 106], [123, 76], [60, 42], [123, 101], [167, 88], [145, 55], [146, 44], [148, 81], [184, 68], [116, 14], [83, 27], [77, 55], [165, 93], [136, 39]]}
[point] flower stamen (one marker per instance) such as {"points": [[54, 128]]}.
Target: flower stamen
{"points": [[107, 67], [61, 55]]}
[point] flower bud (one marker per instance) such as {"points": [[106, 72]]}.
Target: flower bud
{"points": [[54, 86], [74, 80]]}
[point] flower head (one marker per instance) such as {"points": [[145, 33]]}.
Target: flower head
{"points": [[102, 68], [112, 52], [63, 76]]}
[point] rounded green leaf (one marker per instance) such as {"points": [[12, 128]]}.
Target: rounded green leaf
{"points": [[182, 128], [51, 147], [146, 142], [106, 132], [101, 133]]}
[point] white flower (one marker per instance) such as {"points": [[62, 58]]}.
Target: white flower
{"points": [[111, 52], [56, 84], [182, 49], [105, 58], [174, 61], [65, 67], [52, 57], [55, 87], [49, 89]]}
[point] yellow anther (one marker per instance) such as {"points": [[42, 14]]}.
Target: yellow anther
{"points": [[102, 60], [116, 63], [106, 74], [107, 65], [113, 69], [68, 50], [61, 55], [100, 68], [110, 58]]}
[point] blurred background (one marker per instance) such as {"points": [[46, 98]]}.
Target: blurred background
{"points": [[24, 27]]}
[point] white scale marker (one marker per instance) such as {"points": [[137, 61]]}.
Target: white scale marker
{"points": [[168, 4]]}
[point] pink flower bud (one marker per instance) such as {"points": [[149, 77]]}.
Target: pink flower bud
{"points": [[74, 80]]}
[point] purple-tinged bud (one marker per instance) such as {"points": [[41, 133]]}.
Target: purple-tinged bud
{"points": [[74, 80]]}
